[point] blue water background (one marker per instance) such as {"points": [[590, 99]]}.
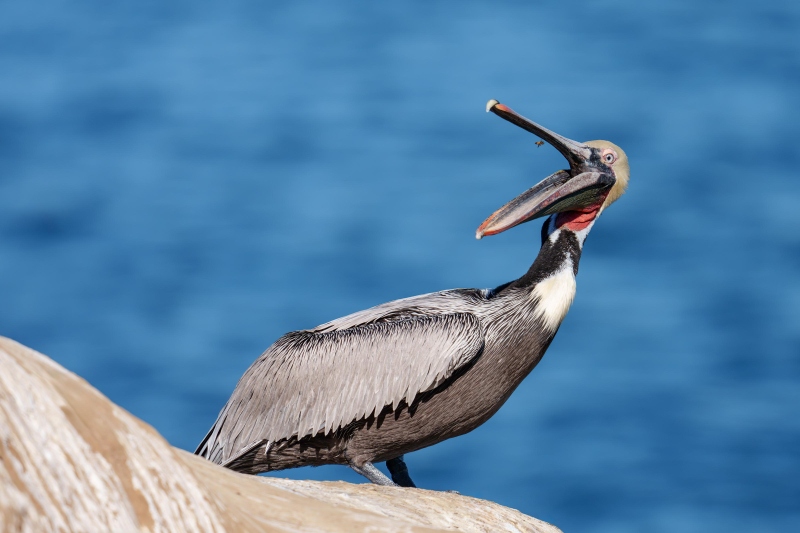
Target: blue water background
{"points": [[183, 182]]}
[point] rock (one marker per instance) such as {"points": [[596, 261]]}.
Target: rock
{"points": [[70, 460]]}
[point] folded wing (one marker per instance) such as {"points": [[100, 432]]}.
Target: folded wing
{"points": [[321, 380]]}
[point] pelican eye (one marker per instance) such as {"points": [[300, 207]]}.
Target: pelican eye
{"points": [[609, 157]]}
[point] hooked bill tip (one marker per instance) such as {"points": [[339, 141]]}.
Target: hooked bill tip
{"points": [[491, 103], [479, 234]]}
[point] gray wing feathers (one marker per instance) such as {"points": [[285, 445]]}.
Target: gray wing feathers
{"points": [[308, 382], [424, 305]]}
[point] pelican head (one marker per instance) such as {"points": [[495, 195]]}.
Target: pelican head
{"points": [[597, 176]]}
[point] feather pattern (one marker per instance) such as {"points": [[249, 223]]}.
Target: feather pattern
{"points": [[350, 368]]}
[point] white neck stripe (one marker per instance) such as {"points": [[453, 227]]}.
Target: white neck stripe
{"points": [[554, 295]]}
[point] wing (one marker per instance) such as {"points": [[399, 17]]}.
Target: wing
{"points": [[425, 305], [319, 381]]}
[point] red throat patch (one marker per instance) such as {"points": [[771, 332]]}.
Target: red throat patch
{"points": [[578, 219]]}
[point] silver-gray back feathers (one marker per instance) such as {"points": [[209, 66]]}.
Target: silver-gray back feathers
{"points": [[323, 379]]}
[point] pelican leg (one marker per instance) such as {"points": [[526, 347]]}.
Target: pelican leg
{"points": [[371, 472], [397, 467]]}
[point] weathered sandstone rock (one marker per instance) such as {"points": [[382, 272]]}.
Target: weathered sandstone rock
{"points": [[70, 460]]}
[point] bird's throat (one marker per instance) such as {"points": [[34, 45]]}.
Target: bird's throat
{"points": [[578, 219]]}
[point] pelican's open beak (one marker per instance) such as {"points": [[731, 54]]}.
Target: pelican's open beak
{"points": [[582, 187]]}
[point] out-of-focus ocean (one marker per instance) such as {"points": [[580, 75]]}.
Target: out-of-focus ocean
{"points": [[181, 183]]}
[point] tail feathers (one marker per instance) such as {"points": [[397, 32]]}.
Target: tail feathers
{"points": [[211, 447], [203, 449], [233, 462], [217, 447]]}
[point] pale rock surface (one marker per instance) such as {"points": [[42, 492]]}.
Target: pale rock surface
{"points": [[70, 460]]}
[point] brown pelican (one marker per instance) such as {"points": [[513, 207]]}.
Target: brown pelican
{"points": [[407, 374]]}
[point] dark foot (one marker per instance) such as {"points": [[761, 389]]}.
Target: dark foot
{"points": [[370, 472], [397, 467]]}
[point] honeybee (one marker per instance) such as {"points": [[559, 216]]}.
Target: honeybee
{"points": [[539, 143]]}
